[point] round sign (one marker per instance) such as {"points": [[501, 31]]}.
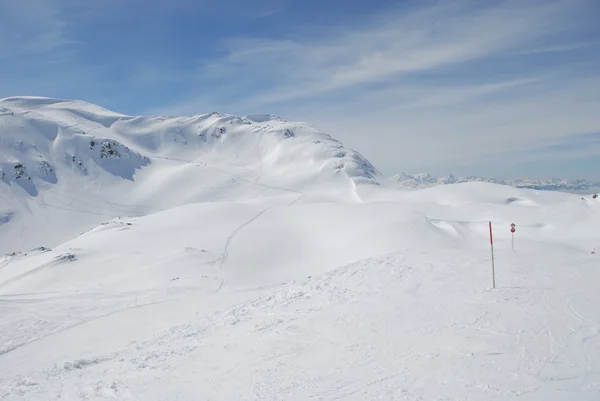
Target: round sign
{"points": [[512, 230], [512, 225]]}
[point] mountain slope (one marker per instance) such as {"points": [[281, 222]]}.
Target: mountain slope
{"points": [[62, 157], [293, 298]]}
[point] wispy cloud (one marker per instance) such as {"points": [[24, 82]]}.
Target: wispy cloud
{"points": [[399, 43], [428, 83]]}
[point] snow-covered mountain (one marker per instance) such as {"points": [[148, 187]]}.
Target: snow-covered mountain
{"points": [[251, 258], [61, 157], [424, 180]]}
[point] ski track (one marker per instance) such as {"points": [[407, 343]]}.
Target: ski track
{"points": [[295, 200], [5, 262], [227, 246], [28, 273], [71, 326], [225, 254], [107, 207], [236, 176]]}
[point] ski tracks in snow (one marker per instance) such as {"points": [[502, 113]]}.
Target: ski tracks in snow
{"points": [[231, 237], [590, 327], [72, 325], [5, 262], [227, 247]]}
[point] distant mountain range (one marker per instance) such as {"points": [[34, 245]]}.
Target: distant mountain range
{"points": [[424, 180]]}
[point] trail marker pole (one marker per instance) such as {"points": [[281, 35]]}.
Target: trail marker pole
{"points": [[512, 230], [492, 246]]}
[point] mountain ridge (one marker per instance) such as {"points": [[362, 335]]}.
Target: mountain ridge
{"points": [[63, 156], [426, 180], [38, 128]]}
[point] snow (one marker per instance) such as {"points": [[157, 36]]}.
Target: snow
{"points": [[250, 264], [424, 180]]}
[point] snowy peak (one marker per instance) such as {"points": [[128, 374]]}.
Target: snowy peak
{"points": [[425, 180], [64, 158], [46, 139]]}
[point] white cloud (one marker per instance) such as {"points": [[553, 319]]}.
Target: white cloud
{"points": [[436, 83], [396, 44]]}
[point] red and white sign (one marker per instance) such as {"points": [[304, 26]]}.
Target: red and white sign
{"points": [[512, 228]]}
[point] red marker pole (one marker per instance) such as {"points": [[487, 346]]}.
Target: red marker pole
{"points": [[512, 230], [492, 246]]}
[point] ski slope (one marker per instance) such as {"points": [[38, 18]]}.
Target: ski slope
{"points": [[264, 266]]}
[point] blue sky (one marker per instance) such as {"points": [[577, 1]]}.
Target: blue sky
{"points": [[498, 88]]}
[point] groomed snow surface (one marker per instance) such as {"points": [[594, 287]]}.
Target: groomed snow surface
{"points": [[249, 258]]}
